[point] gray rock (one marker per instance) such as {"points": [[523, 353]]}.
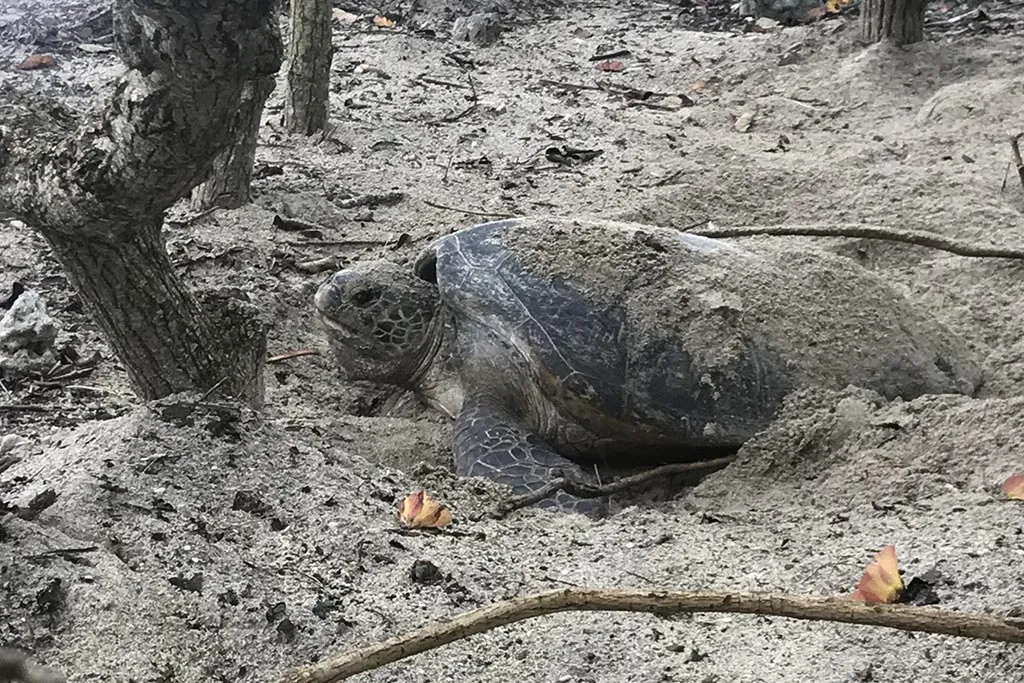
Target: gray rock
{"points": [[27, 334], [482, 28]]}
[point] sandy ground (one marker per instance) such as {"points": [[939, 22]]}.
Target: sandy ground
{"points": [[224, 546]]}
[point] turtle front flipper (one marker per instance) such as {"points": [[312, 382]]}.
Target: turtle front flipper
{"points": [[490, 443]]}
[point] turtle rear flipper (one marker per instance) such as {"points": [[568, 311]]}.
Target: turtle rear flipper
{"points": [[490, 443]]}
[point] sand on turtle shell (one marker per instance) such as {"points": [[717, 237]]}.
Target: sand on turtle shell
{"points": [[833, 321]]}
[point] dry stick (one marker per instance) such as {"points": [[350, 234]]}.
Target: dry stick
{"points": [[470, 212], [1015, 148], [584, 490], [844, 610], [292, 354], [917, 237], [295, 225]]}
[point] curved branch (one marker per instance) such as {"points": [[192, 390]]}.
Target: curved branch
{"points": [[917, 237], [586, 490], [843, 610], [170, 114]]}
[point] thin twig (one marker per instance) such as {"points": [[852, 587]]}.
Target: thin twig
{"points": [[609, 55], [1015, 149], [22, 407], [917, 237], [335, 243], [209, 392], [469, 211], [452, 118], [813, 608], [292, 354], [439, 81], [585, 490]]}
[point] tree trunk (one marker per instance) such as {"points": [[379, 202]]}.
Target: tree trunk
{"points": [[900, 21], [98, 190], [228, 184], [309, 66]]}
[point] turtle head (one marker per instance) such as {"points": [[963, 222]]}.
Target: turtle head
{"points": [[377, 317]]}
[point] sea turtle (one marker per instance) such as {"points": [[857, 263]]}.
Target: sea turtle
{"points": [[553, 342]]}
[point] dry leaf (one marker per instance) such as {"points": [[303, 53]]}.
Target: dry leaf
{"points": [[34, 62], [383, 22], [343, 17], [420, 511], [1013, 487], [881, 581], [610, 65], [833, 6], [699, 86], [744, 121]]}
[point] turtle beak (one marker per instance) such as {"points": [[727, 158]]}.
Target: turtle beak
{"points": [[327, 298], [329, 295]]}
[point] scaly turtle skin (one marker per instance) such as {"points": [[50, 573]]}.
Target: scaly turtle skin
{"points": [[554, 342]]}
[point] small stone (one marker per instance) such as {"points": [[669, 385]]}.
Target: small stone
{"points": [[249, 501], [425, 571], [286, 630], [767, 23], [276, 611], [481, 29], [192, 584]]}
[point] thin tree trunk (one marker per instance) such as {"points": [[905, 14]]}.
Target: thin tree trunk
{"points": [[166, 338], [900, 21], [98, 190], [309, 66], [229, 182]]}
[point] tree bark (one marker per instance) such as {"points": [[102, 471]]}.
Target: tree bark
{"points": [[900, 21], [98, 190], [309, 66], [229, 182]]}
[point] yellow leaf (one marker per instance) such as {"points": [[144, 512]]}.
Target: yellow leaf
{"points": [[420, 511], [1013, 487], [833, 6], [881, 581], [383, 22]]}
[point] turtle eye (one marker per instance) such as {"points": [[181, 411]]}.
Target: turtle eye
{"points": [[364, 297]]}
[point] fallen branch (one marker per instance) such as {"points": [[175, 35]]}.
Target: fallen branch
{"points": [[319, 265], [814, 608], [917, 237], [586, 490]]}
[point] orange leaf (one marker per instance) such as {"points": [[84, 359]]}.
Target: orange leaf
{"points": [[36, 62], [383, 22], [420, 511], [610, 65], [1013, 487], [881, 581]]}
